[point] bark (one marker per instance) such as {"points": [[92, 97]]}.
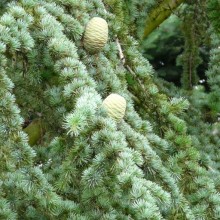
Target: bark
{"points": [[160, 14]]}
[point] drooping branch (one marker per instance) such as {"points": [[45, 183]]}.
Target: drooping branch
{"points": [[160, 14], [122, 58]]}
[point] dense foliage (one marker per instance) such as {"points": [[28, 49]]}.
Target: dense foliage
{"points": [[63, 155]]}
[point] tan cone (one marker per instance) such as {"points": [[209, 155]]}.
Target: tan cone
{"points": [[96, 35], [115, 105]]}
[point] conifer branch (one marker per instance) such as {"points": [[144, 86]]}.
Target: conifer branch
{"points": [[121, 55], [134, 75], [122, 58], [160, 14]]}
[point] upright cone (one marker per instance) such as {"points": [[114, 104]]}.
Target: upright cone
{"points": [[115, 106], [96, 35]]}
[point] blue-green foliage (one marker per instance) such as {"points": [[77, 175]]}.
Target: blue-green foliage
{"points": [[87, 166]]}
